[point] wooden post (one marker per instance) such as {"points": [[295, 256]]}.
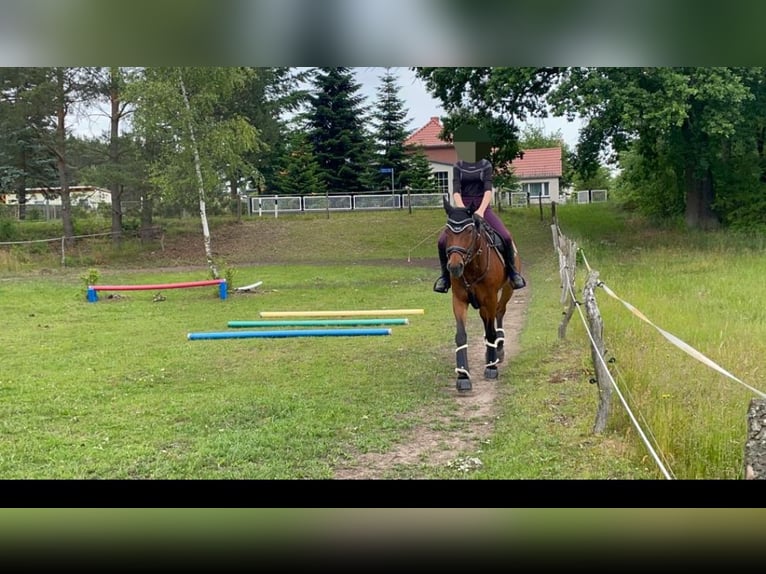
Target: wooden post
{"points": [[596, 327], [567, 263], [755, 447]]}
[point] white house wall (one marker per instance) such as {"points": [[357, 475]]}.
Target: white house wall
{"points": [[553, 182]]}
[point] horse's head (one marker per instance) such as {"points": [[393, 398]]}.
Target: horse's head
{"points": [[462, 234]]}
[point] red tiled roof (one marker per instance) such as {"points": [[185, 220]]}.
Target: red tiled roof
{"points": [[428, 135], [543, 162]]}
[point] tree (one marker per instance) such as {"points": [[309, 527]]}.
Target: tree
{"points": [[335, 122], [265, 97], [390, 132], [419, 174], [25, 160], [698, 123], [175, 110], [299, 171], [680, 115], [496, 98], [66, 88], [113, 85]]}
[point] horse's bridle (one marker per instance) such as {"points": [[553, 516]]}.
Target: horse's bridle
{"points": [[458, 227], [474, 250]]}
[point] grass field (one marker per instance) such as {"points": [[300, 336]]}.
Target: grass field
{"points": [[115, 390]]}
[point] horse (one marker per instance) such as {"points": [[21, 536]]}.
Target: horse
{"points": [[478, 277]]}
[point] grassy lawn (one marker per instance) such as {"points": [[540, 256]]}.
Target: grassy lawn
{"points": [[114, 389]]}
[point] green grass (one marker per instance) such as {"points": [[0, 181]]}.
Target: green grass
{"points": [[115, 390], [705, 289]]}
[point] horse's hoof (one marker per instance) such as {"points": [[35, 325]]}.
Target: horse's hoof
{"points": [[463, 385], [490, 373]]}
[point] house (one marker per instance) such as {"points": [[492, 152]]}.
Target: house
{"points": [[86, 196], [539, 171]]}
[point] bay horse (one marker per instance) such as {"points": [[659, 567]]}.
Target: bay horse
{"points": [[478, 277]]}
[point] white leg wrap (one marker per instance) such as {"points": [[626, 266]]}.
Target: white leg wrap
{"points": [[459, 371]]}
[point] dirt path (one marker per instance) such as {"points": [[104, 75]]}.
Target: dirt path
{"points": [[451, 440]]}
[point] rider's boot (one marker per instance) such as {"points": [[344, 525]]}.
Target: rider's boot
{"points": [[517, 280], [442, 284]]}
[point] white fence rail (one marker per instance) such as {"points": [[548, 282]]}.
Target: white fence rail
{"points": [[274, 204]]}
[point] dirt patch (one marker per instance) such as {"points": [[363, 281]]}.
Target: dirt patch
{"points": [[446, 440]]}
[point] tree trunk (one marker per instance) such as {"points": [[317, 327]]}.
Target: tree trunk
{"points": [[21, 186], [200, 182], [114, 156], [234, 194], [699, 200], [66, 205], [698, 183], [147, 214]]}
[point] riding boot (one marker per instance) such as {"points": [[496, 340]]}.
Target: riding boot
{"points": [[517, 280], [442, 284]]}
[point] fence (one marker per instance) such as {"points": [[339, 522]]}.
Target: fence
{"points": [[274, 204], [399, 199], [145, 234], [755, 447], [590, 196]]}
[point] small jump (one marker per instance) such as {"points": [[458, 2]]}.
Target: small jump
{"points": [[94, 289]]}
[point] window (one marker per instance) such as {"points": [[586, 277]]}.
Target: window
{"points": [[536, 189], [442, 181]]}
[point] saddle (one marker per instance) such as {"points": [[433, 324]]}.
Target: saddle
{"points": [[494, 239]]}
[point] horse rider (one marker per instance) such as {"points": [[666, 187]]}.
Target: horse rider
{"points": [[472, 187]]}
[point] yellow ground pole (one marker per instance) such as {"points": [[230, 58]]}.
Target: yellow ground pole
{"points": [[352, 313]]}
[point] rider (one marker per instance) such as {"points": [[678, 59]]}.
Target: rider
{"points": [[472, 187]]}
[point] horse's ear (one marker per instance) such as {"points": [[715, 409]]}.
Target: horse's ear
{"points": [[447, 204], [470, 210]]}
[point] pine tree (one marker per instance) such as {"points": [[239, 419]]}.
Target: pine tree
{"points": [[298, 171], [335, 122], [419, 174], [390, 133], [25, 160]]}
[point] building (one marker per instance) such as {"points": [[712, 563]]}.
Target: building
{"points": [[539, 171], [87, 196]]}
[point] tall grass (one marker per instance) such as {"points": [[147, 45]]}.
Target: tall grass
{"points": [[706, 289]]}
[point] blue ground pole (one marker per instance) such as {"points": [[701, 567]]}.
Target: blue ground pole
{"points": [[319, 323], [284, 333]]}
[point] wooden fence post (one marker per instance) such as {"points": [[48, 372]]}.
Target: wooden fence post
{"points": [[755, 446], [567, 264], [596, 327]]}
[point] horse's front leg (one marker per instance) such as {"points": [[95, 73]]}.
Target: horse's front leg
{"points": [[490, 340], [505, 295], [460, 308]]}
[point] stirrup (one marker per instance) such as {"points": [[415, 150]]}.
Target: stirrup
{"points": [[442, 285], [517, 281]]}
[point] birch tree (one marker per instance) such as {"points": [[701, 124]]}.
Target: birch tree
{"points": [[179, 109]]}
